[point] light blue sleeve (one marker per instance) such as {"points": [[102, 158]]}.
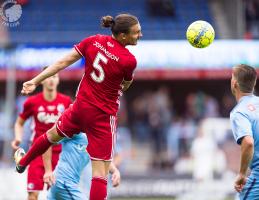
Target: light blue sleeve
{"points": [[241, 126]]}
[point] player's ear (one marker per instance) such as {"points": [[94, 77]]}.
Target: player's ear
{"points": [[236, 84], [123, 36]]}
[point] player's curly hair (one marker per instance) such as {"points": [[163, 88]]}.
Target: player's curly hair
{"points": [[246, 77], [121, 24]]}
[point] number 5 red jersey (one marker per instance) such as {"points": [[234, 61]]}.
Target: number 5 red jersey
{"points": [[107, 64]]}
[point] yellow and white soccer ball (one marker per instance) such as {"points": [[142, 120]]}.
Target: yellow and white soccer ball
{"points": [[200, 34]]}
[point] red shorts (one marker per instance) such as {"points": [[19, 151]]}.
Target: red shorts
{"points": [[36, 172], [99, 126]]}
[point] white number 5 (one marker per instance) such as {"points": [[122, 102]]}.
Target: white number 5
{"points": [[96, 64]]}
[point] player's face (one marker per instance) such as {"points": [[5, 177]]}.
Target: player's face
{"points": [[51, 83], [134, 35]]}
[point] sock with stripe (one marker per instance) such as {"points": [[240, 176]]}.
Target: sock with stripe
{"points": [[40, 145]]}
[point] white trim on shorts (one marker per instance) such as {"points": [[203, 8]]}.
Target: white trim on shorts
{"points": [[35, 190], [93, 158], [45, 188], [113, 131]]}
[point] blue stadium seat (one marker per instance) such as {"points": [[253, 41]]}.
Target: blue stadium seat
{"points": [[82, 17]]}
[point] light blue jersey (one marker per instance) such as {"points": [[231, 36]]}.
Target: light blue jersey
{"points": [[72, 161], [245, 121]]}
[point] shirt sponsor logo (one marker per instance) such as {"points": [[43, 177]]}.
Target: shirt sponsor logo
{"points": [[251, 107], [81, 147], [51, 108], [107, 53], [41, 108], [47, 118], [61, 108]]}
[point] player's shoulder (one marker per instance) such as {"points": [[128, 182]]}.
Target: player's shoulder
{"points": [[239, 108], [101, 36], [88, 39], [129, 54], [132, 58], [233, 113], [104, 40], [130, 61], [248, 104], [243, 109], [95, 37], [255, 98], [95, 40]]}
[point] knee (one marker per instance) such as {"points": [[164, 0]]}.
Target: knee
{"points": [[33, 196], [99, 172], [100, 168]]}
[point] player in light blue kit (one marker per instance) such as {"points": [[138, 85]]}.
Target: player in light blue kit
{"points": [[245, 126], [73, 159]]}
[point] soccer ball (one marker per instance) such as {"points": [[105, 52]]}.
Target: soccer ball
{"points": [[200, 34]]}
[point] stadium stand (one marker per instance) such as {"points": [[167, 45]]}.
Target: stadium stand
{"points": [[45, 22]]}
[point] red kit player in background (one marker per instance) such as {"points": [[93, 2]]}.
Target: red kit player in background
{"points": [[45, 108], [109, 70]]}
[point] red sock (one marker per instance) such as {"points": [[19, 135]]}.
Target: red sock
{"points": [[98, 189], [40, 145]]}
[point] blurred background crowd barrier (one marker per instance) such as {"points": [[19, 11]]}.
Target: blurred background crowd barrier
{"points": [[174, 135]]}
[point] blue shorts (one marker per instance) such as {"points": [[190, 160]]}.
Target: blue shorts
{"points": [[64, 191], [251, 189]]}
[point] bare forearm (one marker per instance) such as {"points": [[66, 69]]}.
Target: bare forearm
{"points": [[18, 129], [18, 132], [46, 157], [247, 151], [69, 59], [48, 72]]}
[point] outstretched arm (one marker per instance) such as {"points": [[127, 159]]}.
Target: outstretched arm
{"points": [[70, 58]]}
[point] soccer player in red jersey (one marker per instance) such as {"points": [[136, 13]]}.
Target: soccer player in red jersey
{"points": [[45, 108], [109, 70]]}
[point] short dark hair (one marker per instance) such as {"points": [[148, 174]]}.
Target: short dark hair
{"points": [[121, 24], [246, 77]]}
